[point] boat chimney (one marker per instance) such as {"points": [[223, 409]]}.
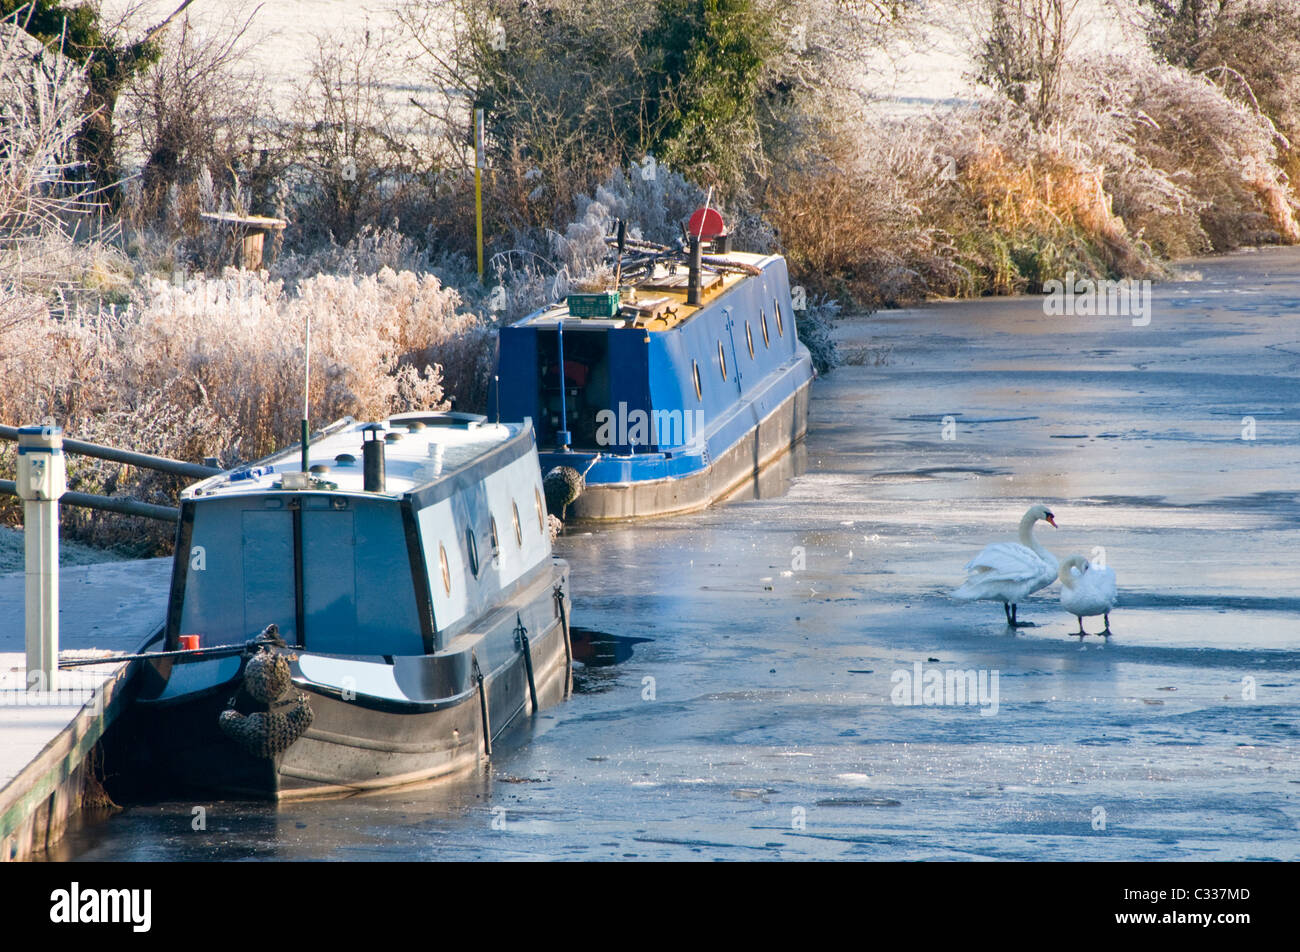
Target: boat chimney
{"points": [[693, 287], [372, 457]]}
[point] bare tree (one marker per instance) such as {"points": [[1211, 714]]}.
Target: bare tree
{"points": [[1022, 52], [197, 108], [41, 189]]}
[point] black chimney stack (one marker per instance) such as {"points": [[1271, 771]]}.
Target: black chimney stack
{"points": [[372, 458], [693, 296]]}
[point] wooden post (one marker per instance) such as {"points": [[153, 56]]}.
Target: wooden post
{"points": [[478, 186], [250, 231]]}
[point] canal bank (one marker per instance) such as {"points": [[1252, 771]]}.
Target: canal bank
{"points": [[48, 739]]}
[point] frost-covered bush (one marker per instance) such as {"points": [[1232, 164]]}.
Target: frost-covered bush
{"points": [[368, 252], [815, 323], [1145, 161], [1190, 168], [214, 367]]}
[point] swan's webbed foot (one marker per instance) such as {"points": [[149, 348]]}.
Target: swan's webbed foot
{"points": [[1106, 632], [1080, 633]]}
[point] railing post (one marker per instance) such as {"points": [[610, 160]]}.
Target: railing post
{"points": [[41, 481]]}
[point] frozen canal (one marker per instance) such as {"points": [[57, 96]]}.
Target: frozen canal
{"points": [[748, 714]]}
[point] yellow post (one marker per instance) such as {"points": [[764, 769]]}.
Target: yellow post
{"points": [[478, 186]]}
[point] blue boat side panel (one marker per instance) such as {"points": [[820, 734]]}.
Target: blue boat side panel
{"points": [[671, 393]]}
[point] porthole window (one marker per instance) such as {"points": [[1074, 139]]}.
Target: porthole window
{"points": [[541, 512], [722, 360], [762, 317], [471, 549], [446, 568], [695, 367], [519, 530], [780, 326], [749, 339], [496, 539]]}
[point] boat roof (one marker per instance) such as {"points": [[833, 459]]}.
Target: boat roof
{"points": [[420, 449], [658, 301]]}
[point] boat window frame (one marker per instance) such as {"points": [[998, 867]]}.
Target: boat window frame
{"points": [[722, 360], [471, 549], [445, 566], [762, 316], [496, 537], [541, 511], [519, 528], [749, 339], [695, 369], [780, 325]]}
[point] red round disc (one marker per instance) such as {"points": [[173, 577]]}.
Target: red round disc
{"points": [[706, 223]]}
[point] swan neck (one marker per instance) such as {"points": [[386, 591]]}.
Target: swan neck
{"points": [[1027, 534]]}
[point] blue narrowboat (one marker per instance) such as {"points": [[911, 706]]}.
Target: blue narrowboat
{"points": [[666, 394], [408, 604]]}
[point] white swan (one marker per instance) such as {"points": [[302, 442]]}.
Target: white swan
{"points": [[1087, 589], [1008, 572]]}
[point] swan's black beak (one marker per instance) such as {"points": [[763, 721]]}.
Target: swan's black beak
{"points": [[1051, 520]]}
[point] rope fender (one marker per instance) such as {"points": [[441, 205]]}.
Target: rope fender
{"points": [[267, 679]]}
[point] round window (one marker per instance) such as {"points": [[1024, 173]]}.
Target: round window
{"points": [[749, 339], [780, 326], [519, 530], [496, 539], [541, 512], [695, 367], [446, 569], [722, 360], [471, 549], [762, 317]]}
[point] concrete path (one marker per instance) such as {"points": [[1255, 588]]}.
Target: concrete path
{"points": [[107, 608]]}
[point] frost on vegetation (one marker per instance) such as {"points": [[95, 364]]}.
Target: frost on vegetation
{"points": [[542, 265], [369, 252], [214, 367]]}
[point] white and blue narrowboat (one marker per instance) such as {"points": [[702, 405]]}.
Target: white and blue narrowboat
{"points": [[667, 393], [408, 605]]}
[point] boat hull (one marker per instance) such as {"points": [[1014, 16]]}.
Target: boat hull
{"points": [[430, 726], [738, 466]]}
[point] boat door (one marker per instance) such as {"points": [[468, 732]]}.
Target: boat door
{"points": [[270, 595], [329, 586]]}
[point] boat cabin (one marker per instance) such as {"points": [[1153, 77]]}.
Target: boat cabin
{"points": [[402, 533]]}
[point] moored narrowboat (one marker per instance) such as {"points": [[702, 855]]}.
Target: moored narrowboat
{"points": [[666, 393], [408, 604]]}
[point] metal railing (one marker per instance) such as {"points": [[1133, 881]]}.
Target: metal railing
{"points": [[119, 504]]}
